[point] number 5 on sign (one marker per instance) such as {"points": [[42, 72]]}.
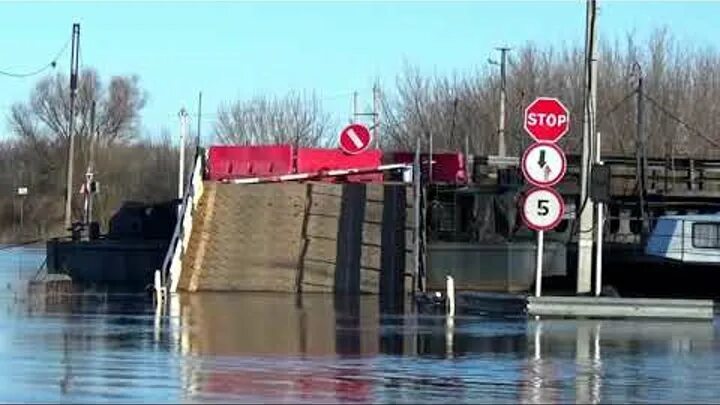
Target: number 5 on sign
{"points": [[542, 210]]}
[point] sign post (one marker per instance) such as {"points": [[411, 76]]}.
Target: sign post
{"points": [[542, 210], [599, 230], [539, 262], [544, 165], [22, 192]]}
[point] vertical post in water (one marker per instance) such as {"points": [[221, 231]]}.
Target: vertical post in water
{"points": [[585, 236], [538, 334], [450, 294], [74, 61], [599, 229], [539, 263], [450, 316]]}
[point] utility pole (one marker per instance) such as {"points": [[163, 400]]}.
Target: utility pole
{"points": [[181, 170], [376, 114], [600, 226], [74, 59], [640, 148], [90, 175], [199, 122], [585, 235], [22, 208], [502, 152], [22, 193], [468, 159], [354, 107]]}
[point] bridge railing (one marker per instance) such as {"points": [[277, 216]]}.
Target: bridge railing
{"points": [[172, 264]]}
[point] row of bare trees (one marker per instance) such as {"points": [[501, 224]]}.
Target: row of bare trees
{"points": [[127, 166], [681, 86], [681, 94], [296, 119]]}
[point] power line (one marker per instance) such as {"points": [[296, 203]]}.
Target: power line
{"points": [[681, 121], [616, 106], [52, 64]]}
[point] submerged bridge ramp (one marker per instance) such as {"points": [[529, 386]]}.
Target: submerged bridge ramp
{"points": [[300, 237]]}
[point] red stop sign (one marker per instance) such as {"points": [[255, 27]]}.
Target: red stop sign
{"points": [[546, 119]]}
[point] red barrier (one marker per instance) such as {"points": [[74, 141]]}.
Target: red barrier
{"points": [[315, 159], [448, 167], [232, 162]]}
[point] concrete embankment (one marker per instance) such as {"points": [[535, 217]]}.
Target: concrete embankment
{"points": [[309, 237]]}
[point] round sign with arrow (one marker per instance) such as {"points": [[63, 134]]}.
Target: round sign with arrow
{"points": [[544, 164]]}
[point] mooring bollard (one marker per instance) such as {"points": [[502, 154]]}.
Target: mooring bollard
{"points": [[450, 294]]}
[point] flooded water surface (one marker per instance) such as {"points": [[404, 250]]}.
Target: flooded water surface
{"points": [[276, 348]]}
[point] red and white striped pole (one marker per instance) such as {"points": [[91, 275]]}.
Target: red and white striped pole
{"points": [[319, 174]]}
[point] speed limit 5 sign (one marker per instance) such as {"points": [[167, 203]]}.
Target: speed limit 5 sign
{"points": [[542, 209]]}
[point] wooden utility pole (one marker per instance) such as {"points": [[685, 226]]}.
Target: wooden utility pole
{"points": [[181, 169], [502, 149], [90, 174], [585, 234], [640, 149], [354, 107], [199, 122], [74, 59], [376, 114]]}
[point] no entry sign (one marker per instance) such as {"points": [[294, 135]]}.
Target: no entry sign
{"points": [[546, 119], [542, 209], [354, 139], [543, 164]]}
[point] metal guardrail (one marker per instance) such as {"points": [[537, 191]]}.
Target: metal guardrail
{"points": [[608, 307], [172, 264]]}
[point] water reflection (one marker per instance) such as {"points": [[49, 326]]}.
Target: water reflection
{"points": [[318, 348], [324, 348], [271, 333], [321, 349], [645, 352]]}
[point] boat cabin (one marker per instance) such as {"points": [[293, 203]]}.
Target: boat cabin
{"points": [[686, 238]]}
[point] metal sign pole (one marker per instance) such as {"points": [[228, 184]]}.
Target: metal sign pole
{"points": [[599, 230], [538, 263], [598, 250]]}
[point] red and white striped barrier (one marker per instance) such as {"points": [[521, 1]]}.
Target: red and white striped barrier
{"points": [[318, 174]]}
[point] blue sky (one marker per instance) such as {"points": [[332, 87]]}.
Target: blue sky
{"points": [[238, 49]]}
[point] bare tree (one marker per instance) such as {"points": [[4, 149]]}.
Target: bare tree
{"points": [[47, 113], [127, 165], [681, 86], [445, 110], [292, 119]]}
